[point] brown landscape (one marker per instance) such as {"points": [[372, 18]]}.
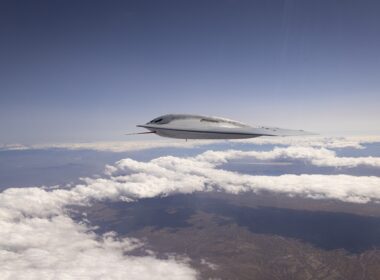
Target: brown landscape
{"points": [[251, 236]]}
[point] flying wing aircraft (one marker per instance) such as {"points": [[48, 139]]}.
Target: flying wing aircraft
{"points": [[184, 126]]}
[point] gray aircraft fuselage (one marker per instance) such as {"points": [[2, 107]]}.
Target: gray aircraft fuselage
{"points": [[202, 127]]}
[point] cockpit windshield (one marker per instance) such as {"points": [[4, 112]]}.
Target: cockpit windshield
{"points": [[160, 120], [157, 120]]}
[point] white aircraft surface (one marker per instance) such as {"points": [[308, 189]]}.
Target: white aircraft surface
{"points": [[184, 126]]}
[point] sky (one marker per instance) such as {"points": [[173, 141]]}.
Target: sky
{"points": [[73, 71]]}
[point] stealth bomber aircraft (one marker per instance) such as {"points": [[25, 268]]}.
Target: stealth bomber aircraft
{"points": [[184, 126]]}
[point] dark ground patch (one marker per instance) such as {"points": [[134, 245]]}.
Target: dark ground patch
{"points": [[323, 229]]}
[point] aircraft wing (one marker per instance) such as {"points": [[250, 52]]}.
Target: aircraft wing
{"points": [[275, 131]]}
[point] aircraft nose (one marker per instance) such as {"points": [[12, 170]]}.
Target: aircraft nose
{"points": [[142, 125]]}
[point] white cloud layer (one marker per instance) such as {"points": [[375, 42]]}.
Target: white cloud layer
{"points": [[58, 248], [38, 240], [167, 175], [115, 146], [315, 156], [355, 142]]}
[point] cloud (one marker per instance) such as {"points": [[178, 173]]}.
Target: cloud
{"points": [[334, 142], [355, 142], [13, 147], [38, 239], [115, 146], [315, 156], [58, 248], [168, 175]]}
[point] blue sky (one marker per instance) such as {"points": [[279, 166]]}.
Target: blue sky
{"points": [[91, 70]]}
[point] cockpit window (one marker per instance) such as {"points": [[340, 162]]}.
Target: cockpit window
{"points": [[160, 120], [157, 120]]}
